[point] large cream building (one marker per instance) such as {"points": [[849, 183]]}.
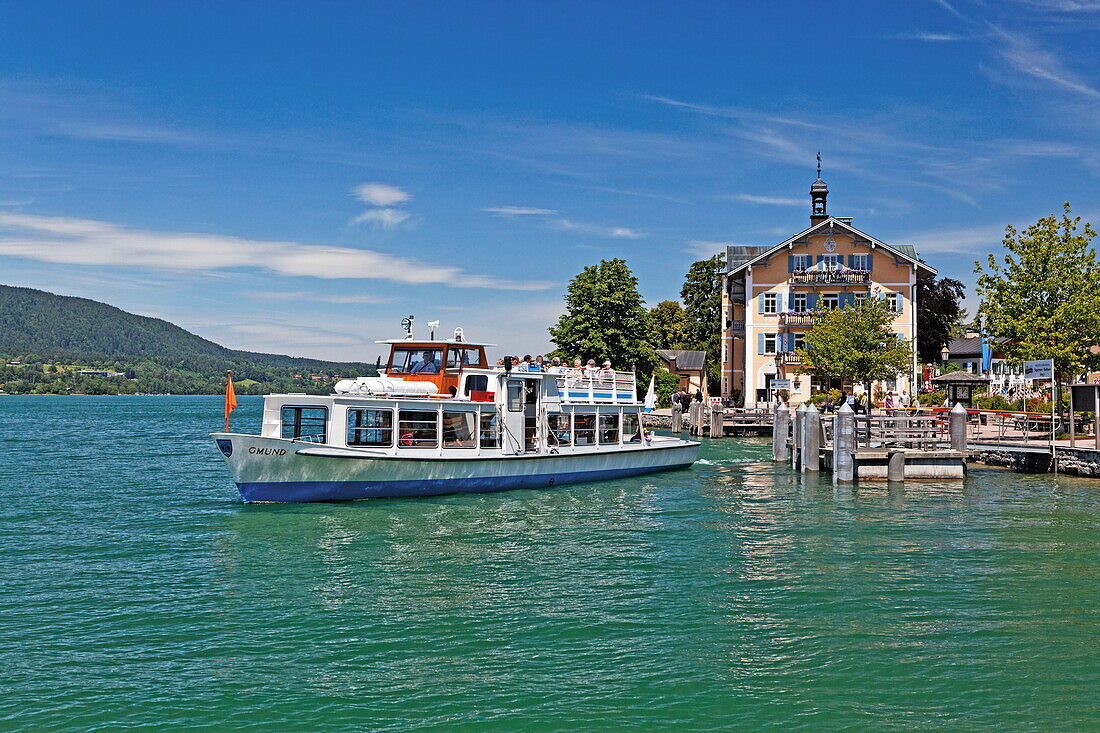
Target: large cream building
{"points": [[770, 292]]}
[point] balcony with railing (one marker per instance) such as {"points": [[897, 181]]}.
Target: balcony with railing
{"points": [[830, 277], [738, 328], [799, 319], [788, 357]]}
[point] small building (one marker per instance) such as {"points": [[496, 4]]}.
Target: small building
{"points": [[689, 366], [962, 387], [966, 351]]}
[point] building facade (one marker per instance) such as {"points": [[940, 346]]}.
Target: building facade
{"points": [[770, 295]]}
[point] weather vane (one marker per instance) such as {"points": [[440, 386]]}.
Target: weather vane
{"points": [[819, 165]]}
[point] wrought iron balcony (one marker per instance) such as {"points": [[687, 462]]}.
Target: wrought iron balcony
{"points": [[738, 328], [788, 357], [799, 319], [830, 277]]}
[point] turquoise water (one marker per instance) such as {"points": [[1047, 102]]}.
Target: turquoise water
{"points": [[135, 590]]}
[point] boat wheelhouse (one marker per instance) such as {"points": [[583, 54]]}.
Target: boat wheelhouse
{"points": [[439, 420]]}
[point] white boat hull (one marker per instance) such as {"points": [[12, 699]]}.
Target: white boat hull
{"points": [[279, 470]]}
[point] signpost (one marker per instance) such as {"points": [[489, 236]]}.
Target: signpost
{"points": [[1041, 369], [781, 384]]}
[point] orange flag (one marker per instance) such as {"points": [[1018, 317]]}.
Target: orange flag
{"points": [[230, 398]]}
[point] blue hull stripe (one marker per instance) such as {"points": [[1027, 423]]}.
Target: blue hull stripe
{"points": [[298, 491]]}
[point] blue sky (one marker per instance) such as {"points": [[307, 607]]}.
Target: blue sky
{"points": [[297, 177]]}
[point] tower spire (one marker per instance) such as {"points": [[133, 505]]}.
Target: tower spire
{"points": [[819, 192]]}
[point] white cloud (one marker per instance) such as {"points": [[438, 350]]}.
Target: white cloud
{"points": [[704, 248], [380, 194], [519, 211], [87, 242], [1028, 58], [595, 229], [929, 37], [286, 295], [387, 218], [770, 200]]}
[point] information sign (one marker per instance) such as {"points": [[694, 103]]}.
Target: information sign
{"points": [[1041, 369], [781, 384]]}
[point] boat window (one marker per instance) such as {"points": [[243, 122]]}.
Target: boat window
{"points": [[416, 360], [559, 428], [515, 395], [370, 427], [307, 423], [419, 429], [584, 429], [609, 428], [490, 429], [477, 383], [457, 358], [631, 433], [459, 429]]}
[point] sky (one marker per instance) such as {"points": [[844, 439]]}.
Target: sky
{"points": [[298, 177]]}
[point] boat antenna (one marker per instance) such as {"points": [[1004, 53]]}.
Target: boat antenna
{"points": [[433, 325]]}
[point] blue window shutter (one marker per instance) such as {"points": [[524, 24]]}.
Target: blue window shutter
{"points": [[844, 299], [851, 261], [790, 263], [811, 301], [820, 259], [759, 343], [870, 261], [779, 303], [760, 303]]}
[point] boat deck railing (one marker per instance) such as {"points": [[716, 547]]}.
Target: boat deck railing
{"points": [[619, 389]]}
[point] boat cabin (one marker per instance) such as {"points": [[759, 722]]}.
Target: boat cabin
{"points": [[441, 363]]}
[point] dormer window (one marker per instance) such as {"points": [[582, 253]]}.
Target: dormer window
{"points": [[801, 262], [830, 262], [860, 262]]}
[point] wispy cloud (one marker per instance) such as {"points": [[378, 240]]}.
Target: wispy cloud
{"points": [[569, 225], [384, 197], [929, 37], [302, 295], [768, 200], [387, 218], [563, 224], [88, 242], [518, 211], [381, 194], [1026, 57], [705, 248]]}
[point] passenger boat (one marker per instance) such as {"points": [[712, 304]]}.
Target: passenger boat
{"points": [[439, 420]]}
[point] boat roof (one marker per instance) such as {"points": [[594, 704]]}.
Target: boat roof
{"points": [[425, 342]]}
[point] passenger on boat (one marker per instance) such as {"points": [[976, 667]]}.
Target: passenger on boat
{"points": [[590, 370], [533, 365], [540, 363], [577, 370], [525, 365], [556, 366], [427, 363], [606, 374]]}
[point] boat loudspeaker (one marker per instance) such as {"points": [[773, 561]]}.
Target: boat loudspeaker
{"points": [[458, 333]]}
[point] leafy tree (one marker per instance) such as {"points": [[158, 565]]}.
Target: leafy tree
{"points": [[669, 325], [606, 319], [1044, 296], [702, 298], [939, 311], [856, 343], [665, 383]]}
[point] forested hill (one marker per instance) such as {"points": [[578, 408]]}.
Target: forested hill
{"points": [[56, 332]]}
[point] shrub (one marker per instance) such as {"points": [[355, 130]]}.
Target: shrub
{"points": [[932, 399]]}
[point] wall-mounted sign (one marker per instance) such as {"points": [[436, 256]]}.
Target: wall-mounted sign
{"points": [[781, 384], [1041, 369]]}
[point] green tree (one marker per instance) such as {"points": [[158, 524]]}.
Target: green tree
{"points": [[702, 298], [939, 310], [1044, 296], [669, 325], [606, 319], [856, 343]]}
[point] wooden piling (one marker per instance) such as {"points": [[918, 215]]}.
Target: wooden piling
{"points": [[717, 421], [780, 428], [844, 445], [677, 418], [811, 439]]}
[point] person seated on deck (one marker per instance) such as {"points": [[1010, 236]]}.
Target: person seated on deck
{"points": [[606, 374], [427, 363], [536, 365], [555, 366], [577, 370], [590, 369], [525, 365]]}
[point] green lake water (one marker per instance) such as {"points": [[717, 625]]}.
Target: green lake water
{"points": [[137, 591]]}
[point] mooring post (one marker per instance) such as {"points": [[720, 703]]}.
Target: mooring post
{"points": [[796, 435], [844, 445], [957, 424], [780, 428], [717, 421], [811, 439], [895, 468], [677, 418]]}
